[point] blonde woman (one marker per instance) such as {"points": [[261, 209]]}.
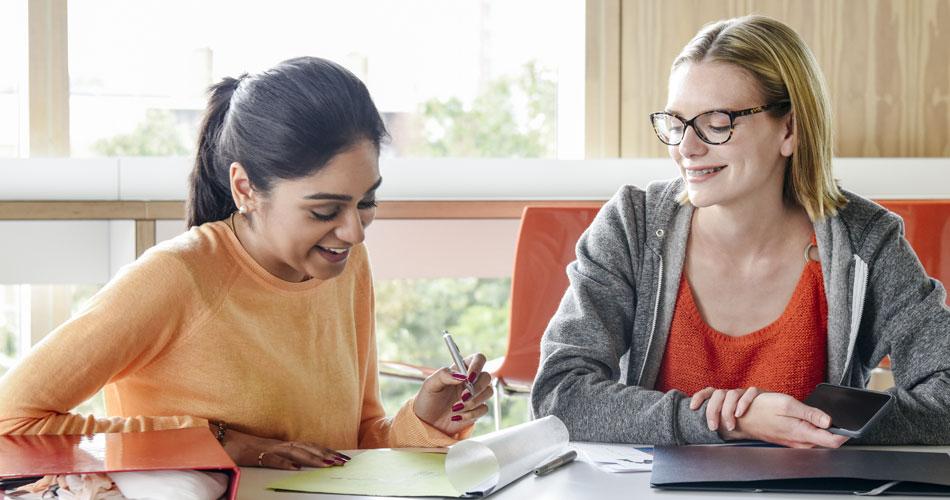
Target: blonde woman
{"points": [[707, 307]]}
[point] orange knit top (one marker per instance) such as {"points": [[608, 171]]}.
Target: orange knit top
{"points": [[788, 355]]}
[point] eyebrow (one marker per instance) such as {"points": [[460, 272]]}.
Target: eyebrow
{"points": [[677, 113], [342, 197]]}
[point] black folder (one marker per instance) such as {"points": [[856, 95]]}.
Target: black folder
{"points": [[761, 469]]}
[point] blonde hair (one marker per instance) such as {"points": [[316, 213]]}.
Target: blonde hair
{"points": [[785, 70]]}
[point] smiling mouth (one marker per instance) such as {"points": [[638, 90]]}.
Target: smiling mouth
{"points": [[337, 251], [333, 255], [704, 171]]}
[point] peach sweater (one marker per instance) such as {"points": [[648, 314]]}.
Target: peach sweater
{"points": [[195, 330]]}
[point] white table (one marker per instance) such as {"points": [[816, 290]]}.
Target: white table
{"points": [[578, 480]]}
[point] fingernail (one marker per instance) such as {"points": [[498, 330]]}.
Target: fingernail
{"points": [[825, 421], [340, 461], [466, 396], [344, 457], [456, 418], [459, 376], [295, 466], [712, 426], [730, 427], [329, 462], [457, 406], [472, 376]]}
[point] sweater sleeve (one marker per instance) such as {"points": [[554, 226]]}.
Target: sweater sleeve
{"points": [[579, 378], [404, 429], [906, 317], [131, 321]]}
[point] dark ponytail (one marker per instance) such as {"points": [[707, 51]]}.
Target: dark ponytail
{"points": [[210, 188], [284, 123]]}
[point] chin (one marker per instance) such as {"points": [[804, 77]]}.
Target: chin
{"points": [[325, 271], [700, 199]]}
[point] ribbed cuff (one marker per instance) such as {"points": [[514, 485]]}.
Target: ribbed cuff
{"points": [[410, 431]]}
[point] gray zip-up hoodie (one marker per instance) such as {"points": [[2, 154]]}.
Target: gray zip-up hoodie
{"points": [[602, 350]]}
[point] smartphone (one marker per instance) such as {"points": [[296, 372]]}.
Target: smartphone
{"points": [[853, 411]]}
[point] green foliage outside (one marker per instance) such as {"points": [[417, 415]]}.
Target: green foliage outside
{"points": [[157, 135], [514, 117], [411, 315], [8, 344]]}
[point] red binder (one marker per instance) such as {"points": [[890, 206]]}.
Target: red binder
{"points": [[180, 449]]}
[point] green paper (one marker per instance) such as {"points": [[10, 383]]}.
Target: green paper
{"points": [[393, 473]]}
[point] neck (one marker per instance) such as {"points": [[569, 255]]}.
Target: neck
{"points": [[251, 241], [748, 227]]}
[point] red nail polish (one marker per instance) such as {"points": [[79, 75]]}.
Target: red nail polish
{"points": [[466, 396], [329, 462], [456, 418], [459, 376], [344, 457], [472, 376], [457, 406]]}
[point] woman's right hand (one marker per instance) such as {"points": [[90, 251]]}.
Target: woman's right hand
{"points": [[249, 450], [781, 419]]}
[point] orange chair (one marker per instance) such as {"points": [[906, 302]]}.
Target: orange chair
{"points": [[927, 228], [545, 247]]}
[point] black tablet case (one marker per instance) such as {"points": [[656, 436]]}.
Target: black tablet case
{"points": [[751, 468]]}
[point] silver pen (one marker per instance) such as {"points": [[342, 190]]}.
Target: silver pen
{"points": [[457, 359], [564, 459]]}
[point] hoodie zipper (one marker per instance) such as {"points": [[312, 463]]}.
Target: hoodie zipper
{"points": [[858, 296]]}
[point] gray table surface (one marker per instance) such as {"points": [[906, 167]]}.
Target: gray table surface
{"points": [[578, 480]]}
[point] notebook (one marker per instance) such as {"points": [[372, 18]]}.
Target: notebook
{"points": [[475, 467], [759, 469]]}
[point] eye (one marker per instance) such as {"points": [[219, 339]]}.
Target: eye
{"points": [[366, 204], [324, 217]]}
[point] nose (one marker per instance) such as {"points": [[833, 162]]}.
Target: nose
{"points": [[691, 145], [351, 228]]}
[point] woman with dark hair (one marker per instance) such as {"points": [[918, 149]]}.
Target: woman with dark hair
{"points": [[259, 320]]}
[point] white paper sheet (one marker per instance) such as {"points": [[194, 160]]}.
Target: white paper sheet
{"points": [[481, 465], [616, 457]]}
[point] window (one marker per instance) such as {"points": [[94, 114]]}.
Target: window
{"points": [[465, 79], [13, 40], [29, 312], [10, 330]]}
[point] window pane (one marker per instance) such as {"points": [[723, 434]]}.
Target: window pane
{"points": [[9, 326], [411, 315], [478, 78], [30, 312], [13, 55]]}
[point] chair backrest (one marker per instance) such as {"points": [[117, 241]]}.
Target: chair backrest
{"points": [[927, 228], [545, 247]]}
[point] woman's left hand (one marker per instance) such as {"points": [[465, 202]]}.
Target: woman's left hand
{"points": [[725, 406], [445, 403]]}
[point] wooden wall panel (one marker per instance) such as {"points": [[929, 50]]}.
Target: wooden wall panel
{"points": [[887, 63]]}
